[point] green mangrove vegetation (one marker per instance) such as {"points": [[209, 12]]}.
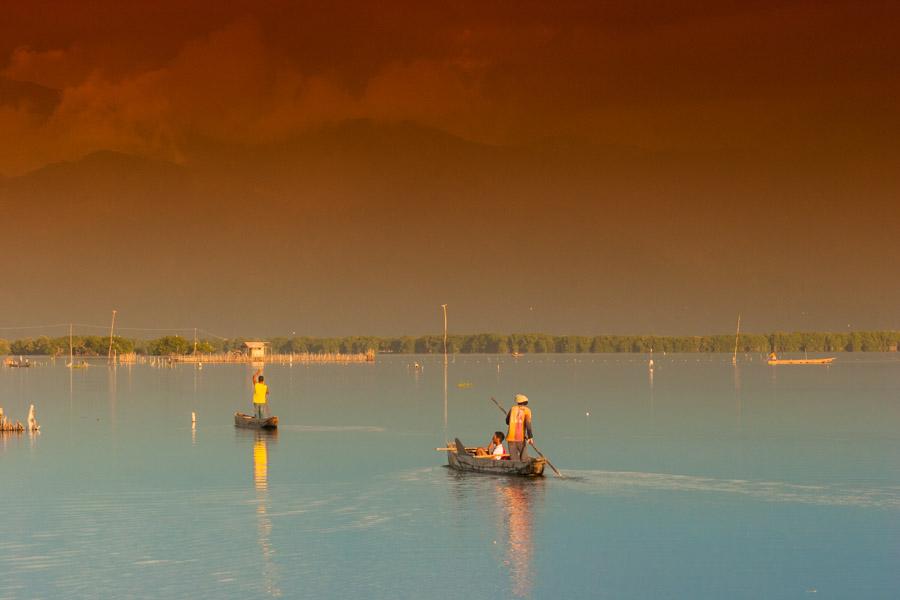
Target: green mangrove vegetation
{"points": [[490, 343]]}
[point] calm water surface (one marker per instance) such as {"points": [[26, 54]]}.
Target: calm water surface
{"points": [[700, 481]]}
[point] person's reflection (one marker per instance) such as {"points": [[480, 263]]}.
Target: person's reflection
{"points": [[515, 499], [261, 466], [263, 521]]}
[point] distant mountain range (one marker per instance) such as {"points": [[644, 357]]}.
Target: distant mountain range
{"points": [[366, 226]]}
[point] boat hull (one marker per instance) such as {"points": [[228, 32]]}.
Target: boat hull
{"points": [[801, 361], [250, 422], [461, 460]]}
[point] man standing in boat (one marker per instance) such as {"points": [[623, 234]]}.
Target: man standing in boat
{"points": [[519, 420], [260, 394]]}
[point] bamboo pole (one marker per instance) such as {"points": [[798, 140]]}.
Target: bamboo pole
{"points": [[444, 307], [112, 328]]}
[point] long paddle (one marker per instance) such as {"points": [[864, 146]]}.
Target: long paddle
{"points": [[541, 454]]}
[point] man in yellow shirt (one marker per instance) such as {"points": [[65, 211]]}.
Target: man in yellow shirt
{"points": [[260, 394]]}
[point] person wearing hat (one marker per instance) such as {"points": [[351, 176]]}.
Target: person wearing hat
{"points": [[519, 420]]}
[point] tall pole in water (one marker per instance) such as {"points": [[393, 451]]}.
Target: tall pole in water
{"points": [[112, 328], [195, 340], [737, 336], [444, 307]]}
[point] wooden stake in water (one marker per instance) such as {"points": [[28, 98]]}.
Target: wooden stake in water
{"points": [[111, 329], [444, 307]]}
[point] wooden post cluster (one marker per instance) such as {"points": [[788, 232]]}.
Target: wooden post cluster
{"points": [[16, 427]]}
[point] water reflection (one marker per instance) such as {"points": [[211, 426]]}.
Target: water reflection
{"points": [[737, 397], [510, 503], [446, 434], [7, 437], [111, 381], [515, 500], [261, 466], [263, 520]]}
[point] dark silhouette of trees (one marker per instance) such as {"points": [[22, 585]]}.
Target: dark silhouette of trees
{"points": [[486, 343]]}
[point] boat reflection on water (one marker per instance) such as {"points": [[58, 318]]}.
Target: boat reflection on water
{"points": [[516, 499], [263, 520]]}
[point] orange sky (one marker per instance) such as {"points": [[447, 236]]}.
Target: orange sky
{"points": [[588, 167]]}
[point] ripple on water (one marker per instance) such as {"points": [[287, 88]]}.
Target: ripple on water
{"points": [[333, 428], [189, 542], [625, 482]]}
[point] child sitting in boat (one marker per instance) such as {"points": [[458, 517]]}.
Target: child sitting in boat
{"points": [[495, 449]]}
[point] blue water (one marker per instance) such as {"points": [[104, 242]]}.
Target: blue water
{"points": [[700, 481]]}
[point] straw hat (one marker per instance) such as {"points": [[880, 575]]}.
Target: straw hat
{"points": [[521, 398]]}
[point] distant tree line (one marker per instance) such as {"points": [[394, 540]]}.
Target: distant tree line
{"points": [[489, 343], [89, 345]]}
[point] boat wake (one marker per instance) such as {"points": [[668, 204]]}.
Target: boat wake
{"points": [[626, 482], [333, 428]]}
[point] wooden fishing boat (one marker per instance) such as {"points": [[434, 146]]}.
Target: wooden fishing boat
{"points": [[774, 360], [801, 361], [464, 459], [251, 422]]}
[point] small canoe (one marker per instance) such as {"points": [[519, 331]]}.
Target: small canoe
{"points": [[463, 459], [251, 422]]}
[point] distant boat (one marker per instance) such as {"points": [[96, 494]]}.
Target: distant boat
{"points": [[21, 363], [774, 360], [516, 354]]}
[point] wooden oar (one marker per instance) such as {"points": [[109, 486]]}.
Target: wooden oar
{"points": [[541, 454]]}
